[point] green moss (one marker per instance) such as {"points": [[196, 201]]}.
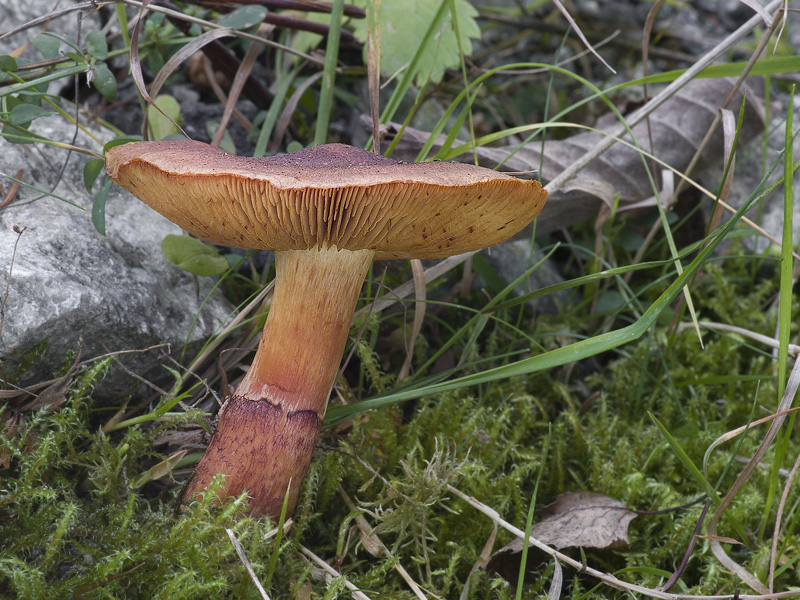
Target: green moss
{"points": [[71, 526]]}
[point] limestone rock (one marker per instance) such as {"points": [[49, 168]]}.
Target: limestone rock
{"points": [[70, 283]]}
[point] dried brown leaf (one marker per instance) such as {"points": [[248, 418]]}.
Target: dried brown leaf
{"points": [[585, 520], [678, 127], [575, 519], [52, 396]]}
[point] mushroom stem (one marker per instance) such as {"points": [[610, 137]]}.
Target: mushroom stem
{"points": [[268, 429]]}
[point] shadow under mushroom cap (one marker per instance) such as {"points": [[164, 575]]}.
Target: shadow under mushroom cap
{"points": [[325, 196]]}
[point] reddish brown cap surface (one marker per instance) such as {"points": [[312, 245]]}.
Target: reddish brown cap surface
{"points": [[331, 195]]}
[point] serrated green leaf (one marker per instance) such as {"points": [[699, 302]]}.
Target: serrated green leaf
{"points": [[23, 114], [96, 45], [404, 26], [105, 82], [99, 208], [47, 45], [244, 17], [8, 63], [192, 255], [159, 126], [90, 172]]}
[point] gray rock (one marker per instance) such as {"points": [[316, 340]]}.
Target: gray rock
{"points": [[70, 286], [69, 283], [16, 13]]}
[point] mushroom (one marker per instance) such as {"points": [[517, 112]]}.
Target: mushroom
{"points": [[327, 212]]}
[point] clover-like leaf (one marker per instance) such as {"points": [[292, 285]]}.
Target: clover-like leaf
{"points": [[159, 126], [105, 82], [90, 172], [96, 45], [192, 255], [47, 45], [22, 114], [244, 17]]}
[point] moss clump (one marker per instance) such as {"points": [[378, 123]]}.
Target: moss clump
{"points": [[72, 526]]}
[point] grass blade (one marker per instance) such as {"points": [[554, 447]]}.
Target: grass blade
{"points": [[329, 74]]}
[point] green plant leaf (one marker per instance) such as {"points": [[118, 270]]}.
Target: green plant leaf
{"points": [[105, 82], [99, 208], [64, 40], [96, 45], [192, 255], [226, 143], [90, 172], [8, 63], [404, 27], [119, 141], [47, 45], [77, 57], [159, 126], [244, 17], [680, 453], [23, 114]]}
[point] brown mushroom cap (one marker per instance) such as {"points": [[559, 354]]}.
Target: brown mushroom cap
{"points": [[324, 196]]}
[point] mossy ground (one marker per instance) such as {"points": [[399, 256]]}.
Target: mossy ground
{"points": [[72, 525]]}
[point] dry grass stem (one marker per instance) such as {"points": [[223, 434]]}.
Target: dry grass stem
{"points": [[774, 558], [230, 326], [418, 277], [794, 349], [483, 559], [754, 56], [357, 594], [12, 190], [401, 291], [578, 31], [792, 385], [243, 557], [208, 69], [242, 73], [136, 68], [19, 231], [203, 23]]}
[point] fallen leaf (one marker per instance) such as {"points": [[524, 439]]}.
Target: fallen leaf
{"points": [[678, 128], [584, 520], [577, 519], [52, 396]]}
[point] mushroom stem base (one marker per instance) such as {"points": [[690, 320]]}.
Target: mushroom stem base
{"points": [[266, 463]]}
